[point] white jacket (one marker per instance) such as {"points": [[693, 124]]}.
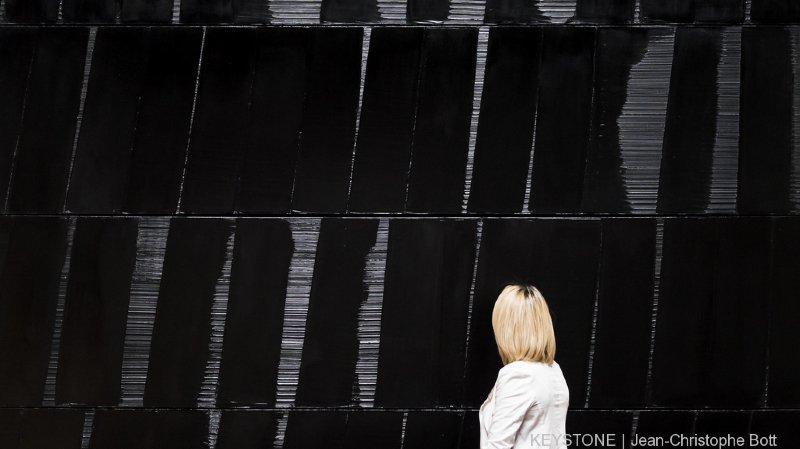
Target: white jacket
{"points": [[527, 408]]}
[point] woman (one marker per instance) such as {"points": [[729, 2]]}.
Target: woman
{"points": [[528, 405]]}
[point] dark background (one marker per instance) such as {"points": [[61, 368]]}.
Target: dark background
{"points": [[292, 232]]}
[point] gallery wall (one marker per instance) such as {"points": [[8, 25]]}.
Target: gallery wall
{"points": [[256, 224]]}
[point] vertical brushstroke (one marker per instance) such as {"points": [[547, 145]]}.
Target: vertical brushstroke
{"points": [[392, 11], [364, 56], [794, 177], [480, 66], [150, 250], [88, 424], [369, 319], [653, 317], [466, 12], [295, 12], [280, 431], [724, 166], [748, 7], [214, 417], [219, 309], [52, 366], [403, 430], [191, 118], [641, 123], [176, 11], [87, 68], [557, 11], [529, 179], [593, 335], [305, 233], [471, 302]]}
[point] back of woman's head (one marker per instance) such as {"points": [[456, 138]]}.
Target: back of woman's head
{"points": [[523, 328]]}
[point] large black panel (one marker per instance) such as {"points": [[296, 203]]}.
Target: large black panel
{"points": [[605, 11], [782, 424], [368, 430], [561, 258], [252, 345], [765, 151], [179, 350], [691, 125], [427, 10], [693, 10], [51, 109], [307, 429], [784, 365], [470, 431], [149, 429], [90, 355], [29, 287], [423, 324], [102, 159], [618, 50], [330, 345], [383, 151], [623, 318], [349, 11], [16, 52], [664, 423], [513, 12], [322, 177], [720, 423], [247, 122], [9, 431], [441, 129], [31, 10], [51, 429], [146, 10], [273, 130], [208, 11], [90, 10], [563, 120], [775, 11], [217, 148], [432, 430], [505, 129], [712, 313], [247, 429], [162, 121]]}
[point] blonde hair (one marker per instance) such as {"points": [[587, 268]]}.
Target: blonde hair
{"points": [[523, 328]]}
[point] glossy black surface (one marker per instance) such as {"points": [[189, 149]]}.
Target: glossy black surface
{"points": [[605, 11], [17, 47], [96, 309], [427, 11], [432, 429], [44, 148], [29, 288], [349, 11], [513, 12], [664, 423], [617, 51], [782, 424], [775, 11], [765, 154], [330, 347], [90, 10], [386, 128], [31, 10], [728, 11], [691, 123], [507, 116], [442, 124], [710, 345], [428, 276], [563, 120], [627, 272], [149, 429], [259, 274], [50, 429], [193, 262], [322, 176], [247, 429], [134, 11], [164, 112]]}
